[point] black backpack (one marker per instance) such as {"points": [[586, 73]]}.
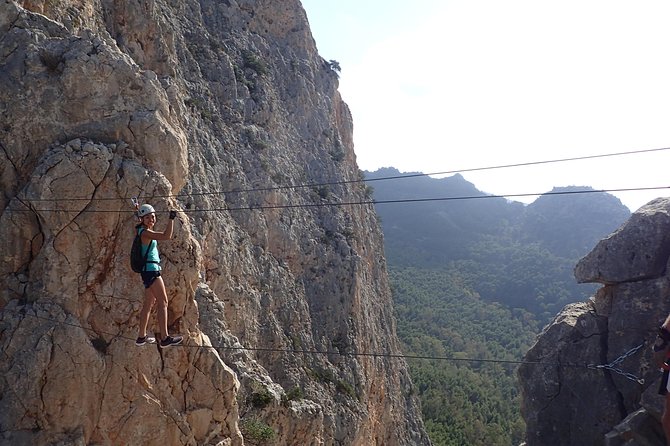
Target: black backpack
{"points": [[138, 261]]}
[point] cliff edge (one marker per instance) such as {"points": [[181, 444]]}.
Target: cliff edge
{"points": [[224, 111], [590, 378]]}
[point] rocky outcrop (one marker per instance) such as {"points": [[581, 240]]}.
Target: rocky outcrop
{"points": [[585, 381], [224, 111]]}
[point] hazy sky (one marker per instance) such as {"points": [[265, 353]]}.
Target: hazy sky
{"points": [[440, 85]]}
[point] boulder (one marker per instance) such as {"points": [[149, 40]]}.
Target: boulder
{"points": [[590, 376], [638, 250]]}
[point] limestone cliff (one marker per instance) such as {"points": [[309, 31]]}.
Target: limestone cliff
{"points": [[225, 111], [568, 397]]}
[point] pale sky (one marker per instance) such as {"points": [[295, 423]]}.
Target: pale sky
{"points": [[441, 85]]}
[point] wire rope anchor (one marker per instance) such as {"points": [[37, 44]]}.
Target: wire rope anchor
{"points": [[613, 366]]}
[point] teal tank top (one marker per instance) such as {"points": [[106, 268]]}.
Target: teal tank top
{"points": [[153, 259]]}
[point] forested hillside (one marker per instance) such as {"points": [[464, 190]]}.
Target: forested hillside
{"points": [[463, 402], [475, 280], [520, 256]]}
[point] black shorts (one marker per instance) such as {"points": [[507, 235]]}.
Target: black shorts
{"points": [[148, 277]]}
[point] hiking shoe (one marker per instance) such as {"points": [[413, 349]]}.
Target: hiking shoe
{"points": [[171, 340], [145, 340]]}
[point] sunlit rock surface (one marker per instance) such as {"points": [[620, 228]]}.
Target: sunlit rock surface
{"points": [[215, 108]]}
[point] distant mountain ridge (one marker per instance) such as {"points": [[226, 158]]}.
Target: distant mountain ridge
{"points": [[445, 229], [520, 255], [569, 225], [476, 276]]}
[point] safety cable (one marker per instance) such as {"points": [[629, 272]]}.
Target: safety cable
{"points": [[423, 200], [392, 177], [612, 366], [356, 203]]}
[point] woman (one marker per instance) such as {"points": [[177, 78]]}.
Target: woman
{"points": [[154, 288]]}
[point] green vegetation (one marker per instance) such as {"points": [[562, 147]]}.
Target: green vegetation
{"points": [[463, 402], [261, 398], [337, 154], [520, 256], [254, 63], [241, 78], [322, 192], [294, 394], [521, 275], [256, 431], [477, 279], [251, 68], [335, 66], [369, 192]]}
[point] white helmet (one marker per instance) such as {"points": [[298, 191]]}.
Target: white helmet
{"points": [[145, 209]]}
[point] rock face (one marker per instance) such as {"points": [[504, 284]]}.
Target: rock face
{"points": [[567, 398], [225, 111]]}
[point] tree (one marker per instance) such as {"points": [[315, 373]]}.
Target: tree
{"points": [[334, 65]]}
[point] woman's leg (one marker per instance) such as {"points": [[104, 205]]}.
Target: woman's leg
{"points": [[149, 300], [161, 299]]}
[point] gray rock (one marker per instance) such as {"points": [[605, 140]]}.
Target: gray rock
{"points": [[606, 394], [638, 429], [215, 108], [638, 250]]}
